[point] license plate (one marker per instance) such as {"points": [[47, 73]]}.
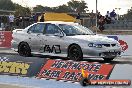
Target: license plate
{"points": [[112, 51]]}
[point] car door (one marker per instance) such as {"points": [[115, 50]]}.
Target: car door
{"points": [[54, 39], [35, 39]]}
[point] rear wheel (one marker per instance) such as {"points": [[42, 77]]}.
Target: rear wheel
{"points": [[108, 59], [75, 53], [24, 49]]}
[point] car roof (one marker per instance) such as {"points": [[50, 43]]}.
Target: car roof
{"points": [[58, 22]]}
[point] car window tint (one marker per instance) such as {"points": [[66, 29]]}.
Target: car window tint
{"points": [[52, 29], [75, 29], [67, 29], [37, 28]]}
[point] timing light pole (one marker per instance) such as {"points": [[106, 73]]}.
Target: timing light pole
{"points": [[96, 16], [118, 9]]}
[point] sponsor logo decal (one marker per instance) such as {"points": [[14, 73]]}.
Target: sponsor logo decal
{"points": [[14, 67], [2, 39], [51, 49], [85, 81], [123, 44]]}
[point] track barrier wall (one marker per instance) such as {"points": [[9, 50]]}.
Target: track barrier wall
{"points": [[5, 39], [20, 66]]}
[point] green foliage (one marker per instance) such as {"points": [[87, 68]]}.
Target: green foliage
{"points": [[62, 8], [40, 8], [22, 10], [7, 5], [73, 6], [78, 6], [129, 14]]}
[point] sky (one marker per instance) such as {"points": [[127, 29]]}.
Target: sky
{"points": [[103, 5]]}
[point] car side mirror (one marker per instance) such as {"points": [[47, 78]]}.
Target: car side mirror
{"points": [[29, 32]]}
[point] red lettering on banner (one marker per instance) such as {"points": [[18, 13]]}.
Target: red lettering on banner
{"points": [[69, 70], [5, 39], [123, 45]]}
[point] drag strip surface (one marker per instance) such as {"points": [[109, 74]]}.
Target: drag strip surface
{"points": [[6, 52]]}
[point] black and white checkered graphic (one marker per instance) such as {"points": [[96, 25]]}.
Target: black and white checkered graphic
{"points": [[4, 58]]}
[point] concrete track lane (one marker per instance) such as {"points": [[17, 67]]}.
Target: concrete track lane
{"points": [[7, 51]]}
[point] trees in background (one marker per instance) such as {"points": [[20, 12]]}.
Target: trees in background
{"points": [[19, 10], [62, 8], [7, 5], [129, 14], [77, 6], [72, 6], [40, 8]]}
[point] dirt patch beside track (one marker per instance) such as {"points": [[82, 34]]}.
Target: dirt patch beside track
{"points": [[10, 86]]}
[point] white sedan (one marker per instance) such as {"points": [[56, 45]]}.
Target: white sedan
{"points": [[66, 39]]}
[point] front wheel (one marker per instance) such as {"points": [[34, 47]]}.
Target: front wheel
{"points": [[75, 53], [24, 49], [85, 82]]}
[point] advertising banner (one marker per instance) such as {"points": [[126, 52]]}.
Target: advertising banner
{"points": [[5, 39], [20, 66], [125, 42], [71, 71]]}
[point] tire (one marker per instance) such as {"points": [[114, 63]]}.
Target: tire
{"points": [[75, 53], [24, 49], [108, 59], [84, 82]]}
